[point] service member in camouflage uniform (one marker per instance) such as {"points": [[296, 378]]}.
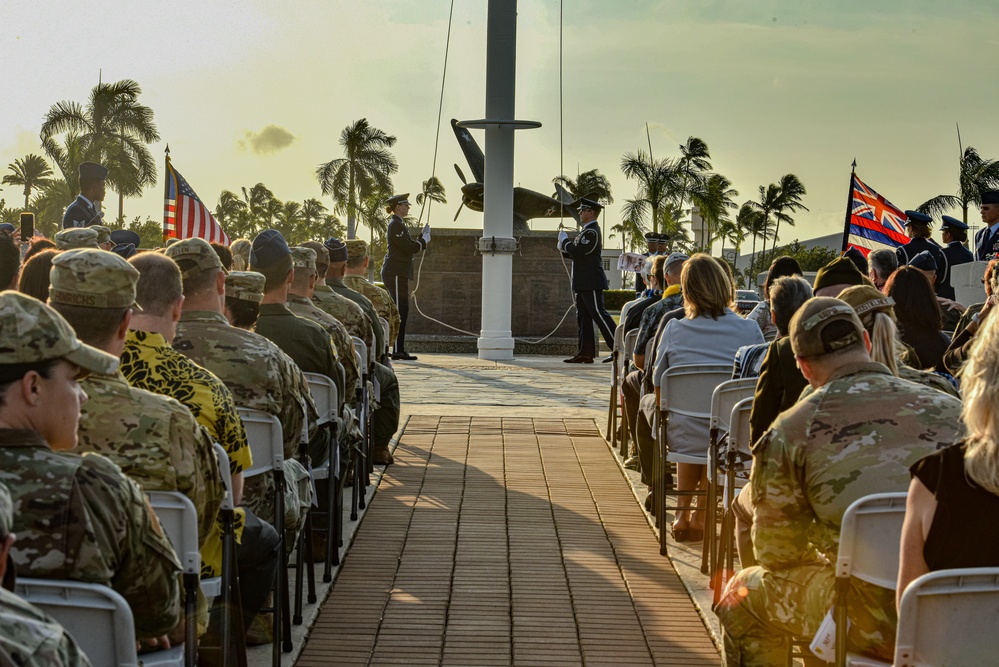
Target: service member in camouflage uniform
{"points": [[28, 636], [256, 371], [149, 362], [856, 434], [385, 419], [154, 439], [342, 309], [76, 237], [76, 517], [357, 268]]}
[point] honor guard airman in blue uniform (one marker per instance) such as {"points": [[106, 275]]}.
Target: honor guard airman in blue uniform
{"points": [[397, 269], [917, 226], [987, 238], [83, 212], [588, 282], [954, 234]]}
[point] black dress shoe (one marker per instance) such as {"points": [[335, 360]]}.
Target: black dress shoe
{"points": [[633, 463], [404, 356], [579, 360], [606, 360]]}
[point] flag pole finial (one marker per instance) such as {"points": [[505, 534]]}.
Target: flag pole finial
{"points": [[854, 164], [167, 150]]}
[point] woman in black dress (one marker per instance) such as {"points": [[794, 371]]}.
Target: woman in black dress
{"points": [[953, 506]]}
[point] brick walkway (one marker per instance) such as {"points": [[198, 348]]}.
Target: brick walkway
{"points": [[496, 541]]}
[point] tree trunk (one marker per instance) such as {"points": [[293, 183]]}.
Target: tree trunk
{"points": [[371, 265], [121, 205]]}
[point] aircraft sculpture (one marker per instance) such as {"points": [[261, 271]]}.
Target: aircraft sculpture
{"points": [[527, 204]]}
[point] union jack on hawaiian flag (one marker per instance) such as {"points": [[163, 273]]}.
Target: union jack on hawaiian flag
{"points": [[184, 216], [872, 222]]}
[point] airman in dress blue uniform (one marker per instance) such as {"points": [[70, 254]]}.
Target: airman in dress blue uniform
{"points": [[987, 238], [917, 226], [954, 234], [397, 269], [83, 212], [588, 282]]}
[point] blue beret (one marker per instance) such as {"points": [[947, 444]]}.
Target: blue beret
{"points": [[122, 236], [126, 250], [952, 223], [337, 248], [268, 247], [990, 197], [916, 216], [924, 261], [6, 227]]}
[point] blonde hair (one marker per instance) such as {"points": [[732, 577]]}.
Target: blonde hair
{"points": [[706, 288], [885, 345], [980, 410], [240, 250]]}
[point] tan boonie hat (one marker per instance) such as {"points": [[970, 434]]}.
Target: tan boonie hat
{"points": [[170, 241], [31, 332], [303, 258], [103, 233], [810, 336], [92, 278], [194, 250], [76, 237], [245, 286], [356, 248]]}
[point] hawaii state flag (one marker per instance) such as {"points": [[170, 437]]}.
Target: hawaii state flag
{"points": [[873, 222], [184, 216]]}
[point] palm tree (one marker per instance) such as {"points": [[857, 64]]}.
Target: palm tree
{"points": [[713, 198], [767, 204], [313, 211], [372, 216], [50, 203], [730, 230], [976, 175], [258, 200], [658, 184], [694, 164], [31, 171], [753, 220], [789, 201], [229, 208], [288, 220], [432, 190], [115, 130], [366, 168], [588, 184]]}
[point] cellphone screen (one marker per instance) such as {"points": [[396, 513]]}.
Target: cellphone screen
{"points": [[27, 226]]}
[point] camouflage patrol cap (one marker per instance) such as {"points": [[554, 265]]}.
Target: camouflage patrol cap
{"points": [[6, 511], [170, 241], [92, 278], [76, 237], [811, 334], [103, 233], [866, 301], [322, 255], [356, 248], [194, 250], [245, 286], [303, 258], [31, 332]]}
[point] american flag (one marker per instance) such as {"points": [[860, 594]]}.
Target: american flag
{"points": [[873, 222], [184, 216]]}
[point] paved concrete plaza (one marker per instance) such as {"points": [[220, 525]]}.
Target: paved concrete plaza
{"points": [[505, 533]]}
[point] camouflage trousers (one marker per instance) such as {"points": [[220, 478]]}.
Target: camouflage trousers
{"points": [[761, 610]]}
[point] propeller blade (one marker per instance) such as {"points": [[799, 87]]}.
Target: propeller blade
{"points": [[459, 206], [464, 181]]}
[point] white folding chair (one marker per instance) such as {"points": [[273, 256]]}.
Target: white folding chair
{"points": [[624, 350], [98, 618], [226, 584], [324, 395], [868, 550], [266, 440], [179, 519], [723, 399], [948, 617], [387, 334], [626, 307], [364, 417], [685, 391], [735, 452]]}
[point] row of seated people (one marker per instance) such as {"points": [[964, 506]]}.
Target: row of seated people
{"points": [[123, 381], [844, 408]]}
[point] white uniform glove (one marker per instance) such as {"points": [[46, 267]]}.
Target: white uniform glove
{"points": [[426, 234], [562, 238]]}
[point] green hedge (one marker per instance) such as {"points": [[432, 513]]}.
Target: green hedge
{"points": [[614, 299]]}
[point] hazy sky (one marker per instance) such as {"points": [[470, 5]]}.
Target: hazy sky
{"points": [[258, 91]]}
